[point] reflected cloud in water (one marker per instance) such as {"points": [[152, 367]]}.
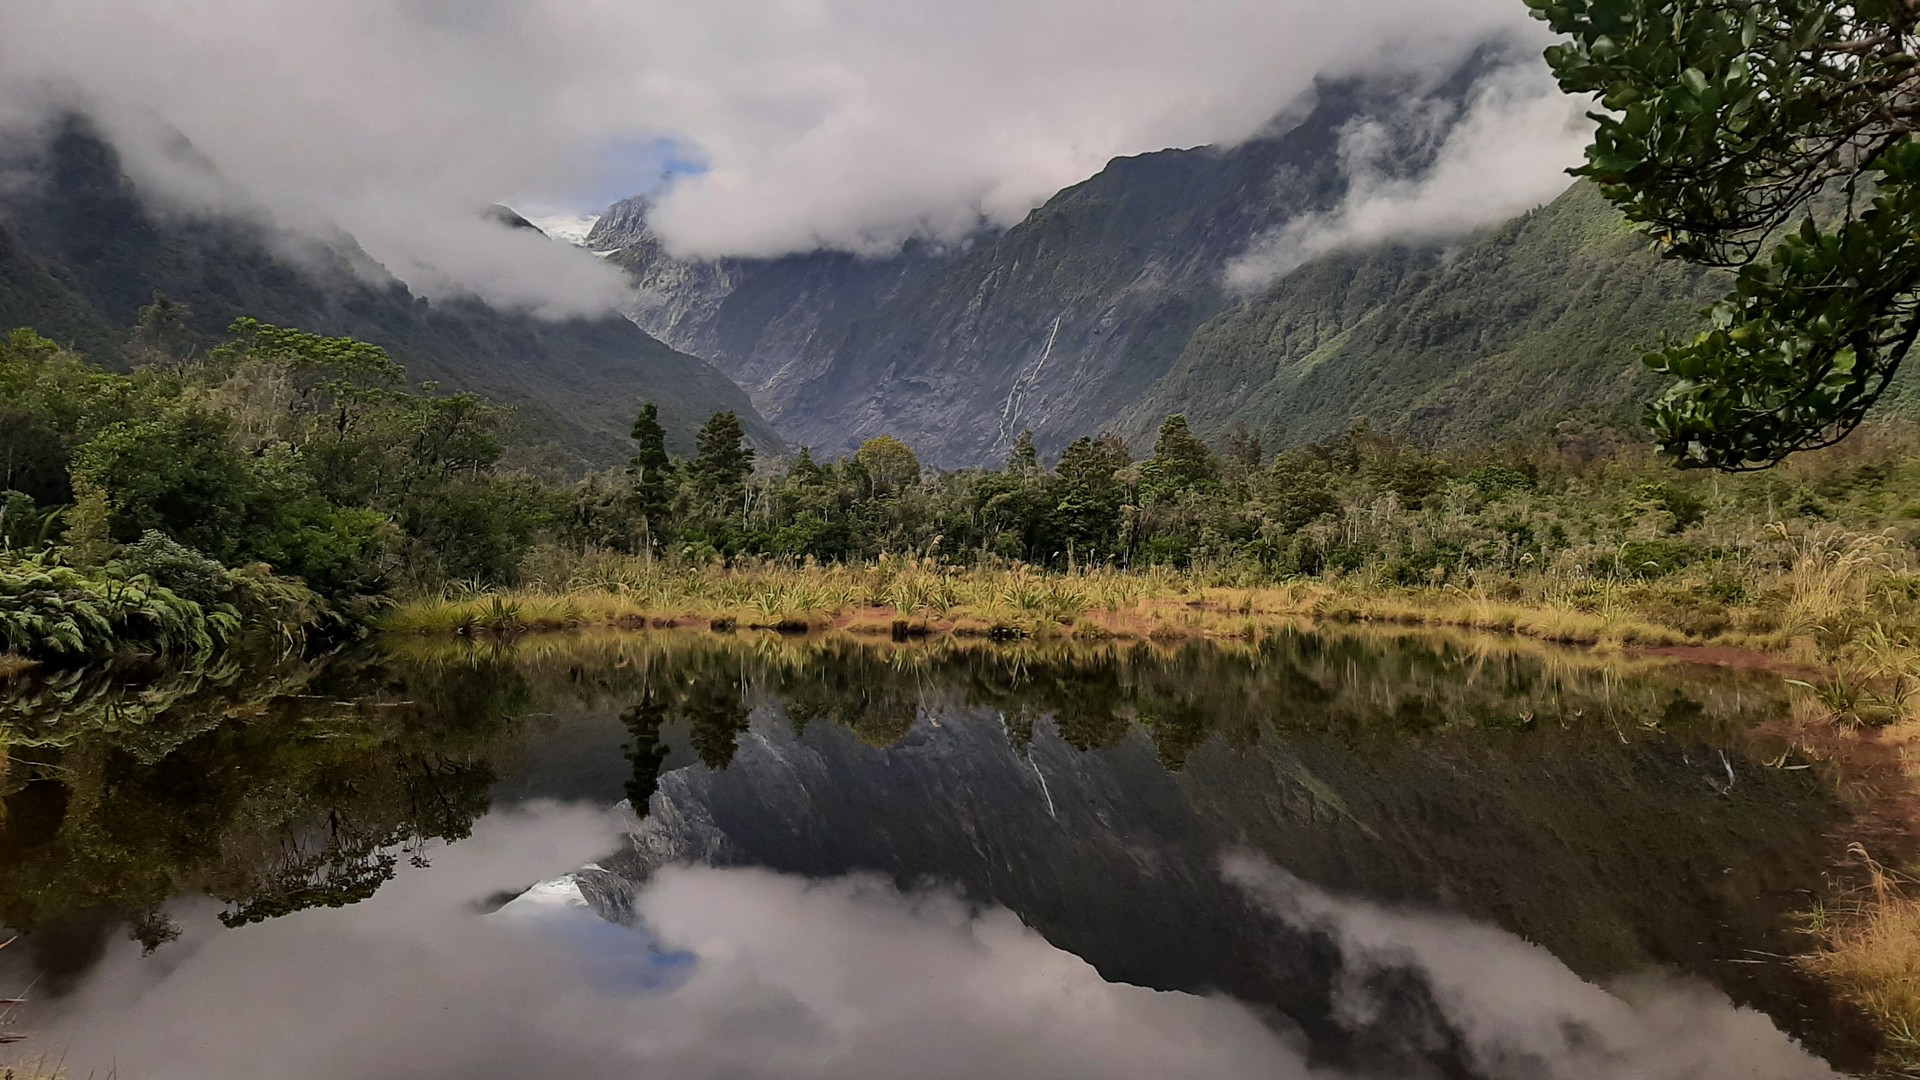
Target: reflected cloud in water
{"points": [[744, 973], [1510, 1008]]}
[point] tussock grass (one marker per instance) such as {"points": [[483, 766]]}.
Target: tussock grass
{"points": [[1870, 950], [1822, 597], [1860, 722], [928, 597]]}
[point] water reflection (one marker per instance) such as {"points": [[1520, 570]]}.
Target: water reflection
{"points": [[296, 788], [1505, 1007], [847, 978], [1038, 828]]}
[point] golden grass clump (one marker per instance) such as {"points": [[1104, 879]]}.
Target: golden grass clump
{"points": [[1844, 601], [1870, 950]]}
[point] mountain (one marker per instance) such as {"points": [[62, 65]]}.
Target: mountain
{"points": [[1107, 309], [81, 251], [1058, 324]]}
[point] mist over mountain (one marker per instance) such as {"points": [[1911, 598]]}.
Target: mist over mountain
{"points": [[764, 128], [82, 249], [1068, 321], [1373, 252]]}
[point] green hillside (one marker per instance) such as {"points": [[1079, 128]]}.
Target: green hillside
{"points": [[1540, 318]]}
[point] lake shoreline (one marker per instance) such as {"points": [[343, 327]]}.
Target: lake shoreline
{"points": [[1865, 918], [1179, 614]]}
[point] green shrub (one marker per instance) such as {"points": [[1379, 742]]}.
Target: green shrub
{"points": [[1687, 508], [1494, 481], [177, 567], [1647, 559]]}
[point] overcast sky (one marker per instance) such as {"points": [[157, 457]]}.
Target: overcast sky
{"points": [[786, 124]]}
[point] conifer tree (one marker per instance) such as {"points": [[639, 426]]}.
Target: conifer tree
{"points": [[652, 470], [1024, 460], [1180, 462], [724, 460]]}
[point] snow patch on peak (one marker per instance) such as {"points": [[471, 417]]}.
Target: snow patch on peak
{"points": [[558, 894], [571, 228]]}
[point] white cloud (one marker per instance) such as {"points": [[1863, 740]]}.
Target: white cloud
{"points": [[1507, 153], [846, 123]]}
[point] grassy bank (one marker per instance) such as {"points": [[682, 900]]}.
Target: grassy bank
{"points": [[1825, 597], [1866, 934], [1870, 948]]}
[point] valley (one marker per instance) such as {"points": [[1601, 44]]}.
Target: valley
{"points": [[855, 541]]}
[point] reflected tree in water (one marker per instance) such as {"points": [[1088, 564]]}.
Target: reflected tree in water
{"points": [[716, 717], [276, 791], [648, 751]]}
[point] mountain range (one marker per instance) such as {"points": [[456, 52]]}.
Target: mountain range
{"points": [[1108, 308], [82, 249]]}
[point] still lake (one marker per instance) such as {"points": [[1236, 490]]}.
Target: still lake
{"points": [[1339, 855]]}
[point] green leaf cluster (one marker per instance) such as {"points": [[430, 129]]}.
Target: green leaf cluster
{"points": [[1776, 137]]}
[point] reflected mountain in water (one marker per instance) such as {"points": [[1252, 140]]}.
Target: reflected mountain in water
{"points": [[1605, 810], [848, 978]]}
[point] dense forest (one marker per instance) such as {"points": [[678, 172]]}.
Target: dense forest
{"points": [[286, 485], [281, 482]]}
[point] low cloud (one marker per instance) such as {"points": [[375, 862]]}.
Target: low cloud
{"points": [[1506, 152], [791, 124]]}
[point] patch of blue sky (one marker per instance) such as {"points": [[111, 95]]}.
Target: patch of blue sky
{"points": [[620, 169], [628, 167]]}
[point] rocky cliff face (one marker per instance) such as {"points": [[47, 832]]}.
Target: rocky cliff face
{"points": [[1057, 324], [778, 323]]}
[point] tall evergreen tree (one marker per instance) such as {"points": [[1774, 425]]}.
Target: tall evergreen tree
{"points": [[1024, 460], [724, 461], [805, 471], [652, 469], [1090, 496], [1244, 448], [1180, 462]]}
